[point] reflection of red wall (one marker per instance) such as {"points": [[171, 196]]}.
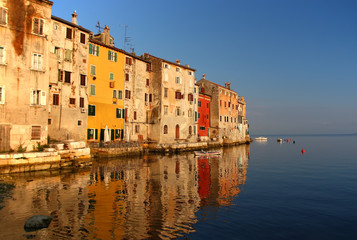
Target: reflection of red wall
{"points": [[204, 111], [204, 177]]}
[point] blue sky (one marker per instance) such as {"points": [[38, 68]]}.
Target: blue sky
{"points": [[295, 61]]}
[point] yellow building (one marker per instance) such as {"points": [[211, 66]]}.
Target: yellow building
{"points": [[106, 89]]}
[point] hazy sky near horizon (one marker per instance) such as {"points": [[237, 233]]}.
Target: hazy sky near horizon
{"points": [[295, 61]]}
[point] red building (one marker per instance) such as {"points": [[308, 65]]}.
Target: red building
{"points": [[204, 104]]}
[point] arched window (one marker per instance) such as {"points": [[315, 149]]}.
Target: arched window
{"points": [[190, 130], [166, 129], [177, 131]]}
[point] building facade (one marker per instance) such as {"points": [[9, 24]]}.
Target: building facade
{"points": [[204, 102], [25, 29], [228, 122], [106, 89], [172, 113], [138, 98], [68, 87]]}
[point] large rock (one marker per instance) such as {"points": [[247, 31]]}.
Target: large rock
{"points": [[37, 222]]}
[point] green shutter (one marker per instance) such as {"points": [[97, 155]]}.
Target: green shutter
{"points": [[90, 48], [109, 54], [115, 57], [97, 50]]}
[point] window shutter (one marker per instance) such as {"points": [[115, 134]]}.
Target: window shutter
{"points": [[115, 57], [43, 98], [108, 54], [88, 133], [112, 134], [97, 50], [32, 93], [90, 48]]}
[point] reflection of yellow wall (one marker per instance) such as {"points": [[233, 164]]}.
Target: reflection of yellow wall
{"points": [[106, 106], [107, 216]]}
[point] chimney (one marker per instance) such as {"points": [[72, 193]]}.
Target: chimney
{"points": [[229, 85], [204, 76], [74, 17], [178, 61], [225, 85]]}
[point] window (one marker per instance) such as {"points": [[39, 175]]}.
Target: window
{"points": [[81, 102], [37, 61], [166, 66], [166, 92], [111, 76], [119, 113], [166, 110], [3, 16], [207, 116], [190, 97], [38, 26], [134, 115], [92, 90], [190, 130], [127, 94], [120, 94], [114, 93], [68, 55], [92, 134], [199, 115], [137, 128], [79, 123], [127, 77], [36, 133], [83, 80], [199, 103], [150, 97], [49, 121], [178, 80], [220, 118], [202, 128], [166, 77], [69, 33], [72, 101], [190, 73], [190, 113], [207, 105], [67, 77], [166, 129], [178, 111], [55, 99], [91, 110], [60, 75], [83, 38], [93, 49], [2, 55], [112, 56], [128, 61], [38, 97], [147, 82], [195, 116], [93, 70], [148, 67], [2, 95], [178, 95]]}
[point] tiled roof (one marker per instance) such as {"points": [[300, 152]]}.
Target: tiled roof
{"points": [[70, 24], [173, 63]]}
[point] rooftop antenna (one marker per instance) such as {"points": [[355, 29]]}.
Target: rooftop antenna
{"points": [[99, 27], [126, 39]]}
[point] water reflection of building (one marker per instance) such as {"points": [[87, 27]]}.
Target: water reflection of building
{"points": [[138, 198]]}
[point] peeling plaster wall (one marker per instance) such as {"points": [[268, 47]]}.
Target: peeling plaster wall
{"points": [[138, 129], [65, 117], [18, 76]]}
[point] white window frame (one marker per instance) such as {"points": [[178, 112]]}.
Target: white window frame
{"points": [[41, 27], [38, 97], [178, 80], [112, 55], [37, 61], [2, 94], [120, 94], [2, 55], [3, 15]]}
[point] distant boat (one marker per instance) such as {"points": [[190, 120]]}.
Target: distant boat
{"points": [[280, 140], [261, 138], [207, 153]]}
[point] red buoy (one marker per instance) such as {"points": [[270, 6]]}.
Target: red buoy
{"points": [[303, 151]]}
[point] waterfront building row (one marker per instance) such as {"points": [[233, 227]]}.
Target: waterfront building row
{"points": [[58, 80]]}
